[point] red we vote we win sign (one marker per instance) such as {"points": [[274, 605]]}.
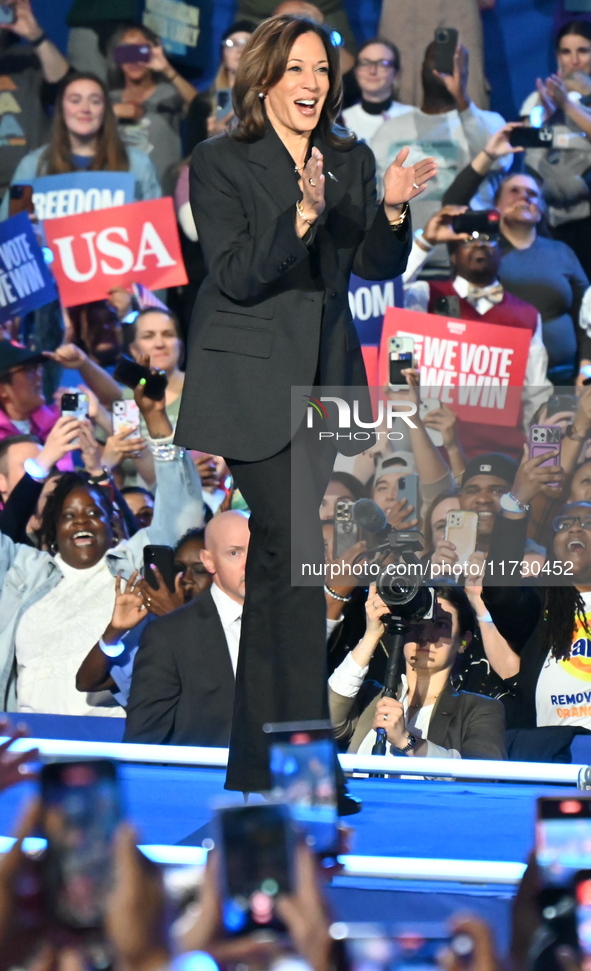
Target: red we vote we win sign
{"points": [[477, 369], [96, 251]]}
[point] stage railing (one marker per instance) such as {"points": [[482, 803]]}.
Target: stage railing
{"points": [[389, 765]]}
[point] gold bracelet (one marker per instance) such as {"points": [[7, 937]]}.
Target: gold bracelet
{"points": [[395, 223], [300, 212]]}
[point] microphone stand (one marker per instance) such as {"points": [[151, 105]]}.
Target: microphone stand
{"points": [[397, 630]]}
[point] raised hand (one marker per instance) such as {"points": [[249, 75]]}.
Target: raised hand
{"points": [[312, 186], [129, 607], [402, 184], [499, 144], [162, 601]]}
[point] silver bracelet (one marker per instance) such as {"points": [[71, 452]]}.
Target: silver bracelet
{"points": [[164, 451], [335, 596]]}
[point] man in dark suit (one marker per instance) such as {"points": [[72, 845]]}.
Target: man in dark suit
{"points": [[183, 679]]}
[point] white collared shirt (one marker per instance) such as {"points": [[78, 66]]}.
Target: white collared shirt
{"points": [[230, 613], [483, 304]]}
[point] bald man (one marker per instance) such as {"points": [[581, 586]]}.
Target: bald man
{"points": [[182, 688]]}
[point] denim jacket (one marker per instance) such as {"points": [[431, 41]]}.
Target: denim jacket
{"points": [[27, 574]]}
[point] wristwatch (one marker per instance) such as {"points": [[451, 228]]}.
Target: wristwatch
{"points": [[411, 741], [510, 504]]}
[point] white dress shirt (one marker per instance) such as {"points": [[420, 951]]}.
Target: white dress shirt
{"points": [[230, 613]]}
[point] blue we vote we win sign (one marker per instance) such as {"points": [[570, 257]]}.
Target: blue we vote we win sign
{"points": [[26, 282]]}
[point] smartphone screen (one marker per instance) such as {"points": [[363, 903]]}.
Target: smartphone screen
{"points": [[380, 948], [81, 811], [302, 758], [257, 847], [583, 916], [563, 838]]}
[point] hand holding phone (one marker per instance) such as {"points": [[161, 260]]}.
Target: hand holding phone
{"points": [[461, 528], [257, 848], [446, 43], [162, 557]]}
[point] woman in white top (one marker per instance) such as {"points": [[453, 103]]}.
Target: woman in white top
{"points": [[428, 717], [377, 70]]}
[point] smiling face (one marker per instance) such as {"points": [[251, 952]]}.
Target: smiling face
{"points": [[84, 109], [573, 54], [376, 72], [23, 393], [156, 336], [83, 530], [519, 200], [482, 494], [295, 103], [477, 261], [573, 541], [433, 645]]}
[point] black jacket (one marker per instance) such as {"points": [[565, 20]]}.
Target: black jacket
{"points": [[273, 312], [182, 689]]}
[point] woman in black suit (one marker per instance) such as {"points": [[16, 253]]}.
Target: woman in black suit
{"points": [[285, 207]]}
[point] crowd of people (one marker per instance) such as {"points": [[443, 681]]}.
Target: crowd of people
{"points": [[83, 632]]}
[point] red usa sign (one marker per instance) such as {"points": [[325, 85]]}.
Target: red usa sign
{"points": [[96, 251]]}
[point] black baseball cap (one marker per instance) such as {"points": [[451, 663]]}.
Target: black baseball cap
{"points": [[13, 355], [492, 463]]}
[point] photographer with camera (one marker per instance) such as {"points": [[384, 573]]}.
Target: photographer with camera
{"points": [[427, 717]]}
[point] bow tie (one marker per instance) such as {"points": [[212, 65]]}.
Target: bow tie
{"points": [[494, 293]]}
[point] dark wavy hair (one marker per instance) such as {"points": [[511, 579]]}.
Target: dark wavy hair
{"points": [[110, 155], [263, 64], [55, 502]]}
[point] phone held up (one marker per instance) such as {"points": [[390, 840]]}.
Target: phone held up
{"points": [[257, 845], [130, 373], [446, 42], [81, 810]]}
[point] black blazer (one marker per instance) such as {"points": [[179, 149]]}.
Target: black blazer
{"points": [[182, 688], [471, 724], [273, 312]]}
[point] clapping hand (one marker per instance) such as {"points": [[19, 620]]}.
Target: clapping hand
{"points": [[402, 184], [312, 186]]}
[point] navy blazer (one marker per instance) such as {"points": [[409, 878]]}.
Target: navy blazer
{"points": [[273, 312], [182, 688]]}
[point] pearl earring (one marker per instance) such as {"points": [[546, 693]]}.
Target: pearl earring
{"points": [[261, 96]]}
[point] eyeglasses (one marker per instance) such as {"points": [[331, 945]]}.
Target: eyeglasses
{"points": [[561, 523], [239, 42], [382, 65]]}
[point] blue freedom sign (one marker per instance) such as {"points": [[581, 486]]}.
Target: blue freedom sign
{"points": [[26, 282], [75, 192], [368, 301]]}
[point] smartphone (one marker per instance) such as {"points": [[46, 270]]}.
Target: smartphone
{"points": [[446, 43], [20, 199], [563, 838], [7, 14], [257, 846], [130, 373], [132, 53], [477, 223], [460, 529], [161, 557], [302, 759], [527, 137], [223, 105], [397, 364], [582, 885], [384, 947], [448, 307], [408, 488], [425, 406], [74, 404], [541, 439], [125, 413], [402, 345], [81, 810], [346, 531]]}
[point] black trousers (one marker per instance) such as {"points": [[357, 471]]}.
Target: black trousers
{"points": [[281, 674]]}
